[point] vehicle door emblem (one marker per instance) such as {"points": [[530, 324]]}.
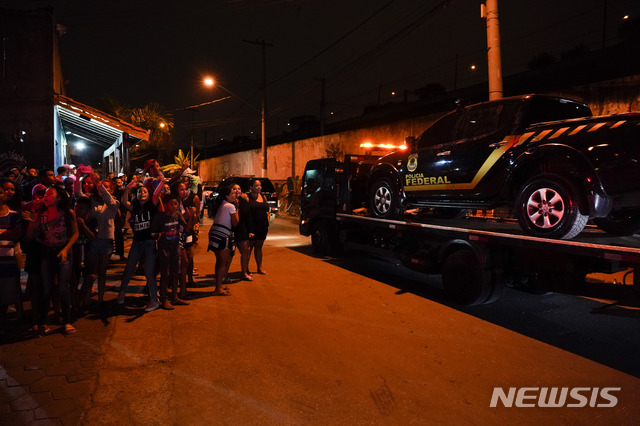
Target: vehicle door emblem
{"points": [[412, 164]]}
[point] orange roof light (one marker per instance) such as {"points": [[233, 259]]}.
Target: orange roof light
{"points": [[384, 146]]}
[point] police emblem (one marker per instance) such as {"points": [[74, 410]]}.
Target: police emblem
{"points": [[412, 164]]}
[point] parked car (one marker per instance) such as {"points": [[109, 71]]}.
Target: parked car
{"points": [[545, 156], [268, 190], [208, 188]]}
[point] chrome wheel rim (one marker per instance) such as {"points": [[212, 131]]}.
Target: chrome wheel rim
{"points": [[382, 199], [545, 208]]}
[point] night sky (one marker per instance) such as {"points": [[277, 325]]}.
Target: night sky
{"points": [[139, 52]]}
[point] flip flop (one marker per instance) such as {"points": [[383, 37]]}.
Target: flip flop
{"points": [[222, 293]]}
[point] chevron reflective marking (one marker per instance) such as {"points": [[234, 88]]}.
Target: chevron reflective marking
{"points": [[541, 135], [525, 137], [596, 127], [577, 129], [559, 133]]}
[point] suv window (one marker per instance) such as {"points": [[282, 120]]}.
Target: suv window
{"points": [[550, 109], [442, 131], [481, 121]]}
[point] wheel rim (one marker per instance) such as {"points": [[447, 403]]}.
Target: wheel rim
{"points": [[545, 208], [382, 199]]}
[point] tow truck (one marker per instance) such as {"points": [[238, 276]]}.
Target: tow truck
{"points": [[475, 254]]}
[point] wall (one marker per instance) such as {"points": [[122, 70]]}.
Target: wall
{"points": [[26, 101], [610, 97], [284, 161]]}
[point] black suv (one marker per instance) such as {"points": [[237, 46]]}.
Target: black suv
{"points": [[545, 156], [268, 190]]}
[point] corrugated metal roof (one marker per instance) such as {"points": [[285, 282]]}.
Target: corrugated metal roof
{"points": [[94, 125]]}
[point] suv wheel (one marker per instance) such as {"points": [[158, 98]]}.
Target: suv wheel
{"points": [[548, 207], [385, 202]]}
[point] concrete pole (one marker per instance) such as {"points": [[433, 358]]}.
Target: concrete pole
{"points": [[264, 109], [490, 13]]}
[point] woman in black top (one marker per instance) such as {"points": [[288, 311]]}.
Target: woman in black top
{"points": [[143, 208], [243, 234], [260, 220]]}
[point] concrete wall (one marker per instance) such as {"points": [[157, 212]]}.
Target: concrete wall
{"points": [[289, 159], [285, 160]]}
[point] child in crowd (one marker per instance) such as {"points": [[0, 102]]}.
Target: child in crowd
{"points": [[167, 227], [82, 265]]}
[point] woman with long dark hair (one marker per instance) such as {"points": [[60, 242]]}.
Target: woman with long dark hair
{"points": [[260, 218], [104, 210], [221, 242], [57, 229], [143, 208]]}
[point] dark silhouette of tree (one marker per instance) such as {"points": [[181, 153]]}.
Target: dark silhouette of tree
{"points": [[579, 50], [541, 60], [150, 117], [430, 90]]}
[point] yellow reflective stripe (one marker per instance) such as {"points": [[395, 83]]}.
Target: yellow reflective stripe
{"points": [[577, 129], [488, 164], [596, 127], [558, 133], [619, 123]]}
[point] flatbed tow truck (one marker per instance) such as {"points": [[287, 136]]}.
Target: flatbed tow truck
{"points": [[476, 255]]}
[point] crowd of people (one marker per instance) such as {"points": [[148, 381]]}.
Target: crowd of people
{"points": [[63, 229]]}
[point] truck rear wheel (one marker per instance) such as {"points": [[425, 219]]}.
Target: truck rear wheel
{"points": [[324, 239], [466, 279]]}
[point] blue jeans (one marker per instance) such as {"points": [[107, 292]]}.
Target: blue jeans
{"points": [[146, 250], [50, 268]]}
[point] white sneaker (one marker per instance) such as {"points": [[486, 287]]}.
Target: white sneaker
{"points": [[152, 306], [121, 296]]}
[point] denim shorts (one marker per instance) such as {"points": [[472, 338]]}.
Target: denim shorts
{"points": [[101, 246], [221, 242]]}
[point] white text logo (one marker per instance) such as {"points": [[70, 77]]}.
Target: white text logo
{"points": [[555, 397]]}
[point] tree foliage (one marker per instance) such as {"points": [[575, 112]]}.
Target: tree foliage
{"points": [[179, 161], [150, 117]]}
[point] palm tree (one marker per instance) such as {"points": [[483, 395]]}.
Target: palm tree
{"points": [[178, 162], [151, 117]]}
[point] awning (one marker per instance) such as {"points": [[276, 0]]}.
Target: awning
{"points": [[93, 125]]}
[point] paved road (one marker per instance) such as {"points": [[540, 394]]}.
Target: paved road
{"points": [[315, 341]]}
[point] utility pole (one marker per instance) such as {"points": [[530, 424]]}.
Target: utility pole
{"points": [[489, 11], [604, 24], [264, 45], [323, 105]]}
